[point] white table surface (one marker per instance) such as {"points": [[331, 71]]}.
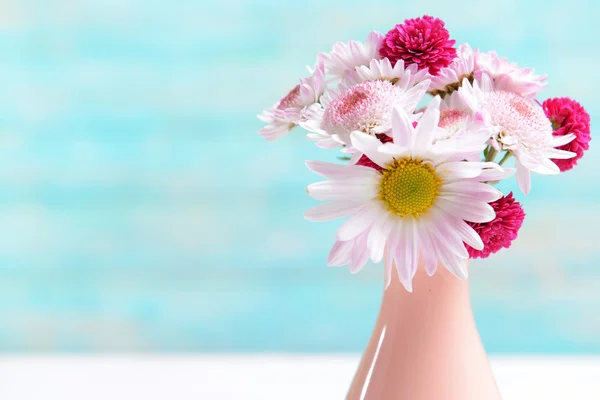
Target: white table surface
{"points": [[264, 377]]}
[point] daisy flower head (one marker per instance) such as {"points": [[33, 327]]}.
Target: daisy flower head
{"points": [[450, 78], [421, 41], [358, 104], [404, 76], [345, 57], [412, 208], [521, 128], [299, 104], [569, 117], [502, 230], [508, 76]]}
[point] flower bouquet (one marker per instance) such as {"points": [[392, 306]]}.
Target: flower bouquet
{"points": [[418, 185]]}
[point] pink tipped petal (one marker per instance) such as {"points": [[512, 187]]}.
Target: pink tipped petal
{"points": [[468, 234], [358, 223], [339, 254], [481, 212], [427, 252], [457, 266], [447, 237], [360, 254], [337, 171], [471, 189], [332, 210], [491, 175]]}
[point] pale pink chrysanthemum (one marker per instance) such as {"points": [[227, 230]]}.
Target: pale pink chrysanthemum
{"points": [[345, 57], [569, 117], [449, 78], [422, 41], [365, 106], [301, 102], [521, 128], [508, 76], [502, 230]]}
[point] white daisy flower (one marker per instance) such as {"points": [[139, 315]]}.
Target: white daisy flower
{"points": [[520, 126], [298, 105], [414, 207], [401, 75], [345, 57], [449, 79], [508, 76], [366, 106]]}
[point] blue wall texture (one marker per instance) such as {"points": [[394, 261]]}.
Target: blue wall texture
{"points": [[140, 211]]}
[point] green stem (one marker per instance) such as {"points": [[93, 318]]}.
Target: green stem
{"points": [[506, 157], [490, 154]]}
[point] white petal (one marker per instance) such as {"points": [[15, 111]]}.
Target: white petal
{"points": [[562, 140], [423, 136], [333, 210], [388, 260], [327, 144], [369, 145], [406, 256], [346, 190], [492, 175], [413, 96], [560, 154], [393, 149], [378, 236], [337, 171], [461, 169], [471, 189], [402, 129], [467, 198], [523, 178]]}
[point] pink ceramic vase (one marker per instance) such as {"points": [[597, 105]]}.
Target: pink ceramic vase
{"points": [[425, 345]]}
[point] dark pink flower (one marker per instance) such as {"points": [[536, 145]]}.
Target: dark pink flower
{"points": [[568, 116], [422, 41], [502, 230]]}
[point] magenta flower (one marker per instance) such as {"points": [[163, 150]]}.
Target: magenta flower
{"points": [[502, 230], [568, 116], [422, 41]]}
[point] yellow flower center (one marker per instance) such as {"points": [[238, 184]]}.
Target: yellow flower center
{"points": [[409, 187]]}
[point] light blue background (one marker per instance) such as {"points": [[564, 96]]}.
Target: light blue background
{"points": [[140, 211]]}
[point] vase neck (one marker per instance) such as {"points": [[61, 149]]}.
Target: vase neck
{"points": [[442, 286]]}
